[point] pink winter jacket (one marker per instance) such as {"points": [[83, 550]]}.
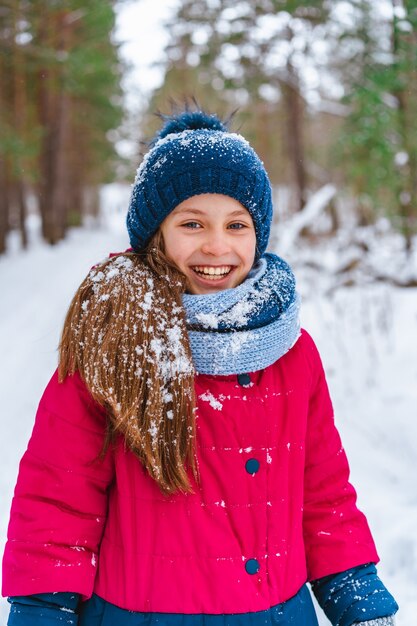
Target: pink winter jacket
{"points": [[274, 507]]}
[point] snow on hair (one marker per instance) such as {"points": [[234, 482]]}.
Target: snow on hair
{"points": [[125, 333]]}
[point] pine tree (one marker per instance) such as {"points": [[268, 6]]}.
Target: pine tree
{"points": [[379, 142], [60, 97], [245, 55]]}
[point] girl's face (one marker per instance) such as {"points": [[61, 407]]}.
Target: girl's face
{"points": [[211, 239]]}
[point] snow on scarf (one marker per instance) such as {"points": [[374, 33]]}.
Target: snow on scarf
{"points": [[246, 328]]}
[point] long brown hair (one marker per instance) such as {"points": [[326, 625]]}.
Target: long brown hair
{"points": [[125, 333]]}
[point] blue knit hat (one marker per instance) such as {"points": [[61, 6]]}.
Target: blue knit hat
{"points": [[194, 153]]}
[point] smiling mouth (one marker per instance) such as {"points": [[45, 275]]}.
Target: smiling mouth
{"points": [[212, 273]]}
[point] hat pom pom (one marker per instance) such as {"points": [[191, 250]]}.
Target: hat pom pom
{"points": [[190, 120]]}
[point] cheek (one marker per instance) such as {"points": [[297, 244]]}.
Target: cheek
{"points": [[172, 250], [249, 251], [176, 249]]}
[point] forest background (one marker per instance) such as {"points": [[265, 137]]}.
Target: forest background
{"points": [[326, 91]]}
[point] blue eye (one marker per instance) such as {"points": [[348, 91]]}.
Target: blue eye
{"points": [[191, 225], [237, 226]]}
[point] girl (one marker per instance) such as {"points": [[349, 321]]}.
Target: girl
{"points": [[184, 464]]}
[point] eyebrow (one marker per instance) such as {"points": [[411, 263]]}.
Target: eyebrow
{"points": [[199, 212]]}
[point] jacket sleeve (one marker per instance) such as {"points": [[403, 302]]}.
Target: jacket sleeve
{"points": [[336, 533], [60, 501], [44, 609], [355, 596]]}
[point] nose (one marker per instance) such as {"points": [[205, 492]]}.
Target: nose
{"points": [[215, 243]]}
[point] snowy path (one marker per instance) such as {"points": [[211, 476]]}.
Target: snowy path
{"points": [[368, 341]]}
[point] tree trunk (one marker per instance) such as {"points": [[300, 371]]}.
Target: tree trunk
{"points": [[45, 166], [402, 44], [22, 212], [4, 206], [19, 113], [294, 107], [4, 195], [54, 115]]}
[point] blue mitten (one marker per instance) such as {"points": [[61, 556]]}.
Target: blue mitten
{"points": [[356, 596]]}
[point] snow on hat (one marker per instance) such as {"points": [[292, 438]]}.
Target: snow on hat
{"points": [[194, 153]]}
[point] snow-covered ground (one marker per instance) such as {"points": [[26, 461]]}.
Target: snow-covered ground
{"points": [[367, 336]]}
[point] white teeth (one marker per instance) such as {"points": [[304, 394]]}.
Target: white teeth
{"points": [[214, 272]]}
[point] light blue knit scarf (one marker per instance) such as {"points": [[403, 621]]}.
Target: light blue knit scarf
{"points": [[246, 328]]}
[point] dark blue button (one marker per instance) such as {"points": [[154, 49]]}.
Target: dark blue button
{"points": [[252, 466], [243, 379], [252, 566]]}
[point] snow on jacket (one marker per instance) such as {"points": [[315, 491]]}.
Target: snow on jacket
{"points": [[274, 507]]}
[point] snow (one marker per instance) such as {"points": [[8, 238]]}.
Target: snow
{"points": [[204, 143], [315, 205], [367, 337], [214, 403], [366, 333]]}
